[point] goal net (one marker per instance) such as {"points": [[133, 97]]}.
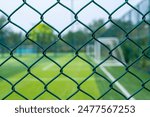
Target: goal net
{"points": [[107, 51]]}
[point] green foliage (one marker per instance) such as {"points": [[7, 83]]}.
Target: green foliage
{"points": [[42, 34], [2, 32], [77, 38], [130, 49], [2, 21], [96, 27], [115, 31], [8, 36]]}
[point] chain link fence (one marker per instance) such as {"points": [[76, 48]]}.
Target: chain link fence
{"points": [[24, 53]]}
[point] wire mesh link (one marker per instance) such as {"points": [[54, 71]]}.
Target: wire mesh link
{"points": [[76, 51]]}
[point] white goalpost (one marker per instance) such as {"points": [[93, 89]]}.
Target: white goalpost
{"points": [[105, 49], [90, 50]]}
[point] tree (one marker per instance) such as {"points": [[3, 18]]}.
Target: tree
{"points": [[3, 33], [13, 37], [114, 30], [2, 20], [96, 26], [8, 36], [77, 38], [42, 34]]}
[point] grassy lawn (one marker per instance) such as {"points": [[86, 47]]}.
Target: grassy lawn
{"points": [[64, 83], [74, 80], [131, 81]]}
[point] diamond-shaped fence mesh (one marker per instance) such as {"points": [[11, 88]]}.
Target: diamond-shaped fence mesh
{"points": [[58, 60]]}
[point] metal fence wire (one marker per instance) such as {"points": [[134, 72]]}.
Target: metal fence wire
{"points": [[138, 36]]}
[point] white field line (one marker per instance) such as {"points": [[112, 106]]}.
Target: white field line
{"points": [[47, 67], [125, 92]]}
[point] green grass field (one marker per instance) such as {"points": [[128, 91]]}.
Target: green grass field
{"points": [[66, 81]]}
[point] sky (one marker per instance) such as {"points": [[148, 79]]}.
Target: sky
{"points": [[58, 16]]}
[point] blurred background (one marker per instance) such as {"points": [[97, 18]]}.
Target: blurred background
{"points": [[37, 25]]}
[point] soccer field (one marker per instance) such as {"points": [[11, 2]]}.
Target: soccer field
{"points": [[74, 80]]}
